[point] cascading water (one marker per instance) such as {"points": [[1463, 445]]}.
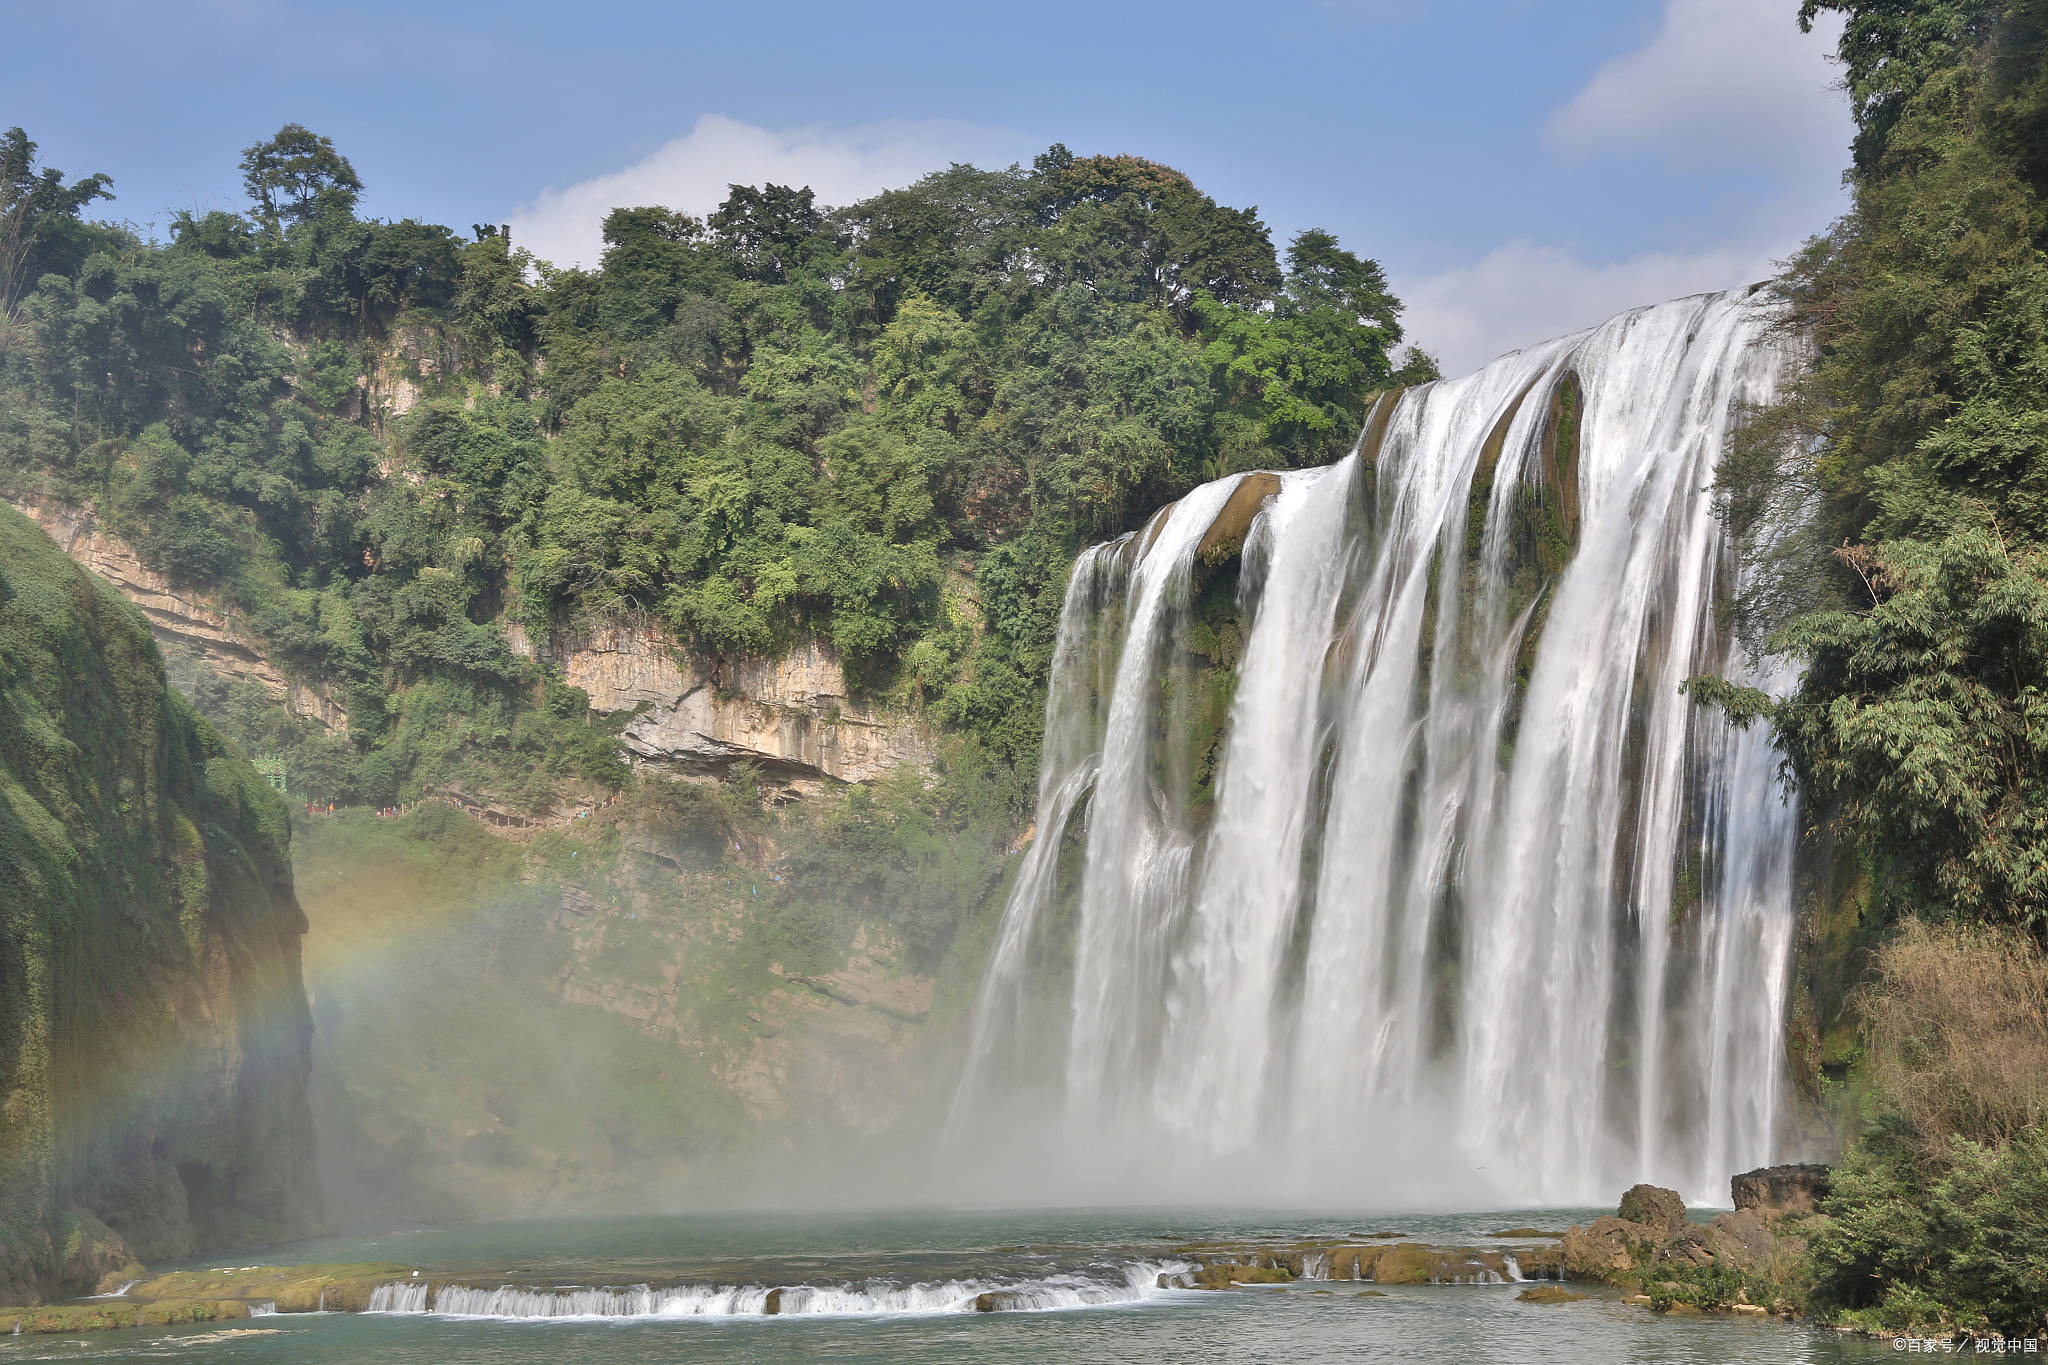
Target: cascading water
{"points": [[1097, 1286], [1463, 886]]}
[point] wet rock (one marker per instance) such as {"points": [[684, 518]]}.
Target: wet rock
{"points": [[1406, 1263], [1540, 1263], [1225, 536], [773, 1304], [1548, 1293], [1655, 1207], [1774, 1192], [1230, 1273]]}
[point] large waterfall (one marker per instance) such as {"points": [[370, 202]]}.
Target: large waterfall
{"points": [[1376, 842]]}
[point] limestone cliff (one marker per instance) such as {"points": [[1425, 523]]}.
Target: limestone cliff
{"points": [[794, 715], [178, 617], [154, 1037]]}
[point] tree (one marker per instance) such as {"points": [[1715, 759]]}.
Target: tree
{"points": [[1137, 231], [1890, 47], [768, 233], [297, 176], [37, 212], [1305, 370]]}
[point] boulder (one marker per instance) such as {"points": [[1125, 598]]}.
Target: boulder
{"points": [[1741, 1239], [1611, 1246], [1773, 1192], [1656, 1208]]}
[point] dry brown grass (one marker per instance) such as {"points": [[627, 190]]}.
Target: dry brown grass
{"points": [[1958, 1023]]}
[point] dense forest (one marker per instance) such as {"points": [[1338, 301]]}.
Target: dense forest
{"points": [[1913, 586], [887, 425]]}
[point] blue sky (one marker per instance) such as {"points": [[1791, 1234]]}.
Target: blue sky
{"points": [[1521, 167]]}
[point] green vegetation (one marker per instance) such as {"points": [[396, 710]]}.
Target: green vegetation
{"points": [[1892, 511], [887, 426], [147, 933], [1940, 1213], [1914, 587]]}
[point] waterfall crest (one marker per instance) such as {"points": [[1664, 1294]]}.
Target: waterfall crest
{"points": [[1396, 841]]}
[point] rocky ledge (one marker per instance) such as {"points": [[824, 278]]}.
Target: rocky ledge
{"points": [[1377, 1260], [795, 716], [1751, 1260], [181, 620]]}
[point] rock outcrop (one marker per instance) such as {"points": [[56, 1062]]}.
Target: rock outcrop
{"points": [[179, 618], [1774, 1192], [154, 1035], [1607, 1247], [1219, 1265], [794, 716], [1759, 1248], [1653, 1207]]}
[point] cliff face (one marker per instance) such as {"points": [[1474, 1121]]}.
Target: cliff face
{"points": [[794, 715], [154, 1036], [178, 617]]}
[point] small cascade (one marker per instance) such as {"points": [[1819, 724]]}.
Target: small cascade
{"points": [[406, 1296], [1126, 1283], [1385, 829]]}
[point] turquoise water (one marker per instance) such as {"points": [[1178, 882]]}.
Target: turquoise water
{"points": [[875, 1257]]}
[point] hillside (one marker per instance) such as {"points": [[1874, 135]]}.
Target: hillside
{"points": [[154, 1038]]}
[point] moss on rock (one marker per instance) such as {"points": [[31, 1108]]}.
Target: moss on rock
{"points": [[153, 1030]]}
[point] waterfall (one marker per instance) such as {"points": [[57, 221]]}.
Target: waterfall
{"points": [[1448, 877]]}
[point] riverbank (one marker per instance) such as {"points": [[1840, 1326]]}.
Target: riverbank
{"points": [[906, 1289], [744, 1267]]}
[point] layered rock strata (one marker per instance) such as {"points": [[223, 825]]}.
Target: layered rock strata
{"points": [[795, 716], [179, 618]]}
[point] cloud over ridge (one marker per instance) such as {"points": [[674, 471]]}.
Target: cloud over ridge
{"points": [[692, 172]]}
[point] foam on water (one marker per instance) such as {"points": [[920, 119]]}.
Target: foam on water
{"points": [[1127, 1283]]}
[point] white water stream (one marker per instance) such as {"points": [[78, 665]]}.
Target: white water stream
{"points": [[1509, 920], [1127, 1283]]}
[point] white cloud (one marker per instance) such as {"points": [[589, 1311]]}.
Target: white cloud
{"points": [[1722, 85], [1523, 292], [692, 173]]}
